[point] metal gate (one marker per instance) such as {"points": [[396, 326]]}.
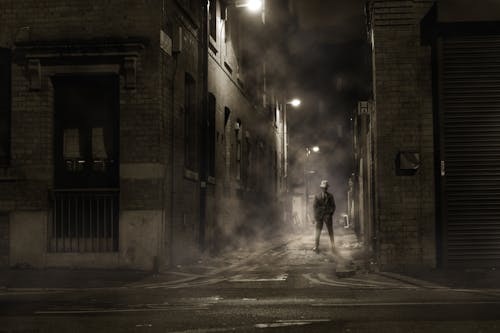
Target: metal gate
{"points": [[84, 220], [470, 166]]}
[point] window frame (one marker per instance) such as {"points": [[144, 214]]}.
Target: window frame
{"points": [[190, 124], [212, 26], [211, 132]]}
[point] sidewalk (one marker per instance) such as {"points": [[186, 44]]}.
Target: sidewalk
{"points": [[14, 279], [61, 278], [451, 278], [346, 242], [18, 279]]}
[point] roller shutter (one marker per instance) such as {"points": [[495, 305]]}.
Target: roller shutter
{"points": [[470, 103]]}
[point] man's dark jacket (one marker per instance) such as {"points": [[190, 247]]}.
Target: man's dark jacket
{"points": [[324, 204]]}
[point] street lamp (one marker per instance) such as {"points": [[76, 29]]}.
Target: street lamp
{"points": [[251, 5], [295, 102], [309, 150]]}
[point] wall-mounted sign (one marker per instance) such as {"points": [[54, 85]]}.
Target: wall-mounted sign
{"points": [[165, 42]]}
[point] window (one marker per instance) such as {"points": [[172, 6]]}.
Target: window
{"points": [[85, 201], [239, 148], [212, 19], [276, 115], [190, 128], [247, 161], [86, 131], [275, 170], [191, 6], [227, 138], [227, 25], [211, 134], [5, 105], [227, 114]]}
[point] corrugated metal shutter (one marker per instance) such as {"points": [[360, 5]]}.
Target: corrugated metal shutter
{"points": [[470, 99]]}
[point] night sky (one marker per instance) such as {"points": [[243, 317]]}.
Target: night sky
{"points": [[330, 55], [330, 51]]}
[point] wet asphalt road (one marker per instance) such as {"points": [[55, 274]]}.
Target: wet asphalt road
{"points": [[280, 288]]}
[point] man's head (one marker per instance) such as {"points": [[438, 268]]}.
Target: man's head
{"points": [[324, 185]]}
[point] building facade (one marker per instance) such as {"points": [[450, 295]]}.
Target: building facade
{"points": [[433, 134], [128, 136], [360, 196]]}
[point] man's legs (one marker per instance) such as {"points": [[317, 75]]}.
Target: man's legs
{"points": [[329, 226], [318, 227]]}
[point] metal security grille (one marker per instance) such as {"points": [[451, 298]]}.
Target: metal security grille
{"points": [[84, 221], [470, 102]]}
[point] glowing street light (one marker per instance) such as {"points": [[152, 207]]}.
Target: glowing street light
{"points": [[295, 102], [251, 5], [313, 149], [254, 5]]}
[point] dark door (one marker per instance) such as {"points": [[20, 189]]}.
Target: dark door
{"points": [[470, 162]]}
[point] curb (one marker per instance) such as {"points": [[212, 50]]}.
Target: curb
{"points": [[413, 281]]}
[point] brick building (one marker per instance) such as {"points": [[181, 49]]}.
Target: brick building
{"points": [[128, 135], [431, 188]]}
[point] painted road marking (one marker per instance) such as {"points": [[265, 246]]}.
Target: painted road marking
{"points": [[159, 307], [458, 303], [325, 280], [281, 277], [287, 323]]}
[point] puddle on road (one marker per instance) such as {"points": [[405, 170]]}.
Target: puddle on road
{"points": [[287, 323], [279, 278]]}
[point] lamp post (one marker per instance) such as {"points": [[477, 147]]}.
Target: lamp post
{"points": [[283, 133], [309, 150], [294, 103]]}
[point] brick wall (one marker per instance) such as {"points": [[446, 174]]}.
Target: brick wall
{"points": [[33, 23], [402, 76], [4, 240], [181, 186], [243, 206], [32, 111], [153, 176]]}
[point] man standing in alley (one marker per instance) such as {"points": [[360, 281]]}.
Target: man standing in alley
{"points": [[324, 207]]}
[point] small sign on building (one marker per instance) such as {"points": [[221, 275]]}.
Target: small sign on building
{"points": [[165, 42]]}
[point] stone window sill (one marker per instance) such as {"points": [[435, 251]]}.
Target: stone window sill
{"points": [[191, 175]]}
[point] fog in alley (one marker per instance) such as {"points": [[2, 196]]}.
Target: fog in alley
{"points": [[249, 165]]}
